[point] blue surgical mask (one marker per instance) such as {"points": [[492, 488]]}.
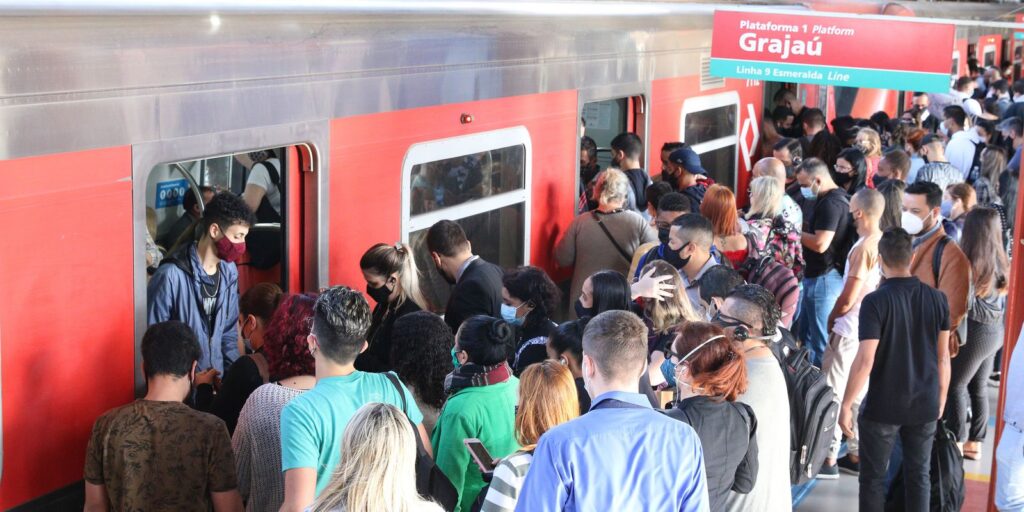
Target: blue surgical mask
{"points": [[668, 370], [455, 360], [509, 314], [808, 193], [947, 208]]}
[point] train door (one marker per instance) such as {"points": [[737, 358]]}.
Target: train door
{"points": [[175, 181], [954, 73], [607, 113]]}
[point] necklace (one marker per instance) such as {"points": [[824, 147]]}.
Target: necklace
{"points": [[216, 288]]}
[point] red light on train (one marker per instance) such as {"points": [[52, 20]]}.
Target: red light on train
{"points": [[466, 118]]}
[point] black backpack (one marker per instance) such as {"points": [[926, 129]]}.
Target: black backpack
{"points": [[975, 171], [813, 411], [264, 243], [947, 477], [430, 481]]}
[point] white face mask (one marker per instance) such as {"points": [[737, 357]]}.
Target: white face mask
{"points": [[912, 223]]}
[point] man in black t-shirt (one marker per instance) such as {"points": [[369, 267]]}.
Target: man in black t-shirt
{"points": [[824, 231], [626, 151], [904, 348]]}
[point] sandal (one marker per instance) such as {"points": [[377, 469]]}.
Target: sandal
{"points": [[972, 450]]}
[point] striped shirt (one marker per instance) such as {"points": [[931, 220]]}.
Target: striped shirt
{"points": [[508, 478]]}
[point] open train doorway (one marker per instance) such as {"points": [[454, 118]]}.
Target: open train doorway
{"points": [[601, 120]]}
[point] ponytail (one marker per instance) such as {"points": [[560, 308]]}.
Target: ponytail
{"points": [[384, 259]]}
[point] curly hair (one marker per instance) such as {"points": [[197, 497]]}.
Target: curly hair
{"points": [[487, 340], [758, 302], [421, 346], [341, 318], [226, 210], [284, 343], [532, 285]]}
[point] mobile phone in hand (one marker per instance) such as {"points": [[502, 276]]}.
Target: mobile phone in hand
{"points": [[480, 455]]}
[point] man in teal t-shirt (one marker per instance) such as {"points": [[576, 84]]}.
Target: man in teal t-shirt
{"points": [[313, 423]]}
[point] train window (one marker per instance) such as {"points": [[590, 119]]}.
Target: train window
{"points": [[173, 209], [604, 120], [480, 181], [709, 124]]}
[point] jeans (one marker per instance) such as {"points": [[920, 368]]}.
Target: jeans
{"points": [[1010, 470], [876, 441], [820, 295], [838, 361]]}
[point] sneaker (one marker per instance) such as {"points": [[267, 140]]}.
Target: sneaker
{"points": [[848, 466], [828, 472]]}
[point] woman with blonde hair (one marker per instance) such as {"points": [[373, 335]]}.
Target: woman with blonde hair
{"points": [[547, 398], [378, 471], [392, 281], [870, 143], [719, 206], [765, 217], [605, 238], [982, 243], [662, 315]]}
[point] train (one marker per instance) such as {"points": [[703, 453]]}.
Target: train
{"points": [[111, 111]]}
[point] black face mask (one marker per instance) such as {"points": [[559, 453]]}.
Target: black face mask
{"points": [[380, 294], [447, 278], [663, 235], [879, 180], [843, 179], [672, 258], [582, 311]]}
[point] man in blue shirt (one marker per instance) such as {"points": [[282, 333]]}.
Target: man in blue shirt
{"points": [[622, 455]]}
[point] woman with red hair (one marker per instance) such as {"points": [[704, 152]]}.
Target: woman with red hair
{"points": [[710, 375], [719, 206], [257, 437]]}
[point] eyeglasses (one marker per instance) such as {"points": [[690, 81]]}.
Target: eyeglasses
{"points": [[843, 169]]}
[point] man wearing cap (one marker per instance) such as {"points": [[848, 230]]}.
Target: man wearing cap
{"points": [[691, 181]]}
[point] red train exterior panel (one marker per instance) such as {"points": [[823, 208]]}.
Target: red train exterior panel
{"points": [[66, 311]]}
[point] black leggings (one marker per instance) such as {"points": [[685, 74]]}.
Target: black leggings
{"points": [[969, 378]]}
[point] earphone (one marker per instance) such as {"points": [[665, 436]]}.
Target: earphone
{"points": [[742, 333]]}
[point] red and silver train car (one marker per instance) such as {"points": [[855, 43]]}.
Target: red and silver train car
{"points": [[109, 111]]}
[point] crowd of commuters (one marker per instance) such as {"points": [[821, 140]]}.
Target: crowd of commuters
{"points": [[877, 246]]}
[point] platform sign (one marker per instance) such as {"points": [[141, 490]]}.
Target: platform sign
{"points": [[170, 194], [832, 50]]}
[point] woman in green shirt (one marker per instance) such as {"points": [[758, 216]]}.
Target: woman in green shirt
{"points": [[482, 396]]}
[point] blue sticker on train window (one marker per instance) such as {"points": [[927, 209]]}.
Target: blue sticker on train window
{"points": [[170, 194]]}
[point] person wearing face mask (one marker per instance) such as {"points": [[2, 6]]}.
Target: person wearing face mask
{"points": [[392, 281], [850, 169], [621, 453], [670, 207], [565, 345], [869, 142], [482, 396], [691, 177], [198, 283], [711, 375], [662, 316], [477, 283], [528, 299], [937, 169], [691, 236], [605, 290], [134, 456], [961, 148], [626, 150], [669, 173], [894, 165], [922, 219], [860, 277], [824, 232], [251, 369], [750, 316], [957, 200]]}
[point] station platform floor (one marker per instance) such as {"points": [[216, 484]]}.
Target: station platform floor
{"points": [[841, 495]]}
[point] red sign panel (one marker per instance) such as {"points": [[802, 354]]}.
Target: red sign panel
{"points": [[831, 49]]}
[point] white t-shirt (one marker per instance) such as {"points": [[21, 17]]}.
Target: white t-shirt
{"points": [[260, 176], [960, 152]]}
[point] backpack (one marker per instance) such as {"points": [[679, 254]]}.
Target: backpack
{"points": [[947, 477], [813, 411], [264, 243], [430, 481], [961, 330], [783, 242], [778, 279]]}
